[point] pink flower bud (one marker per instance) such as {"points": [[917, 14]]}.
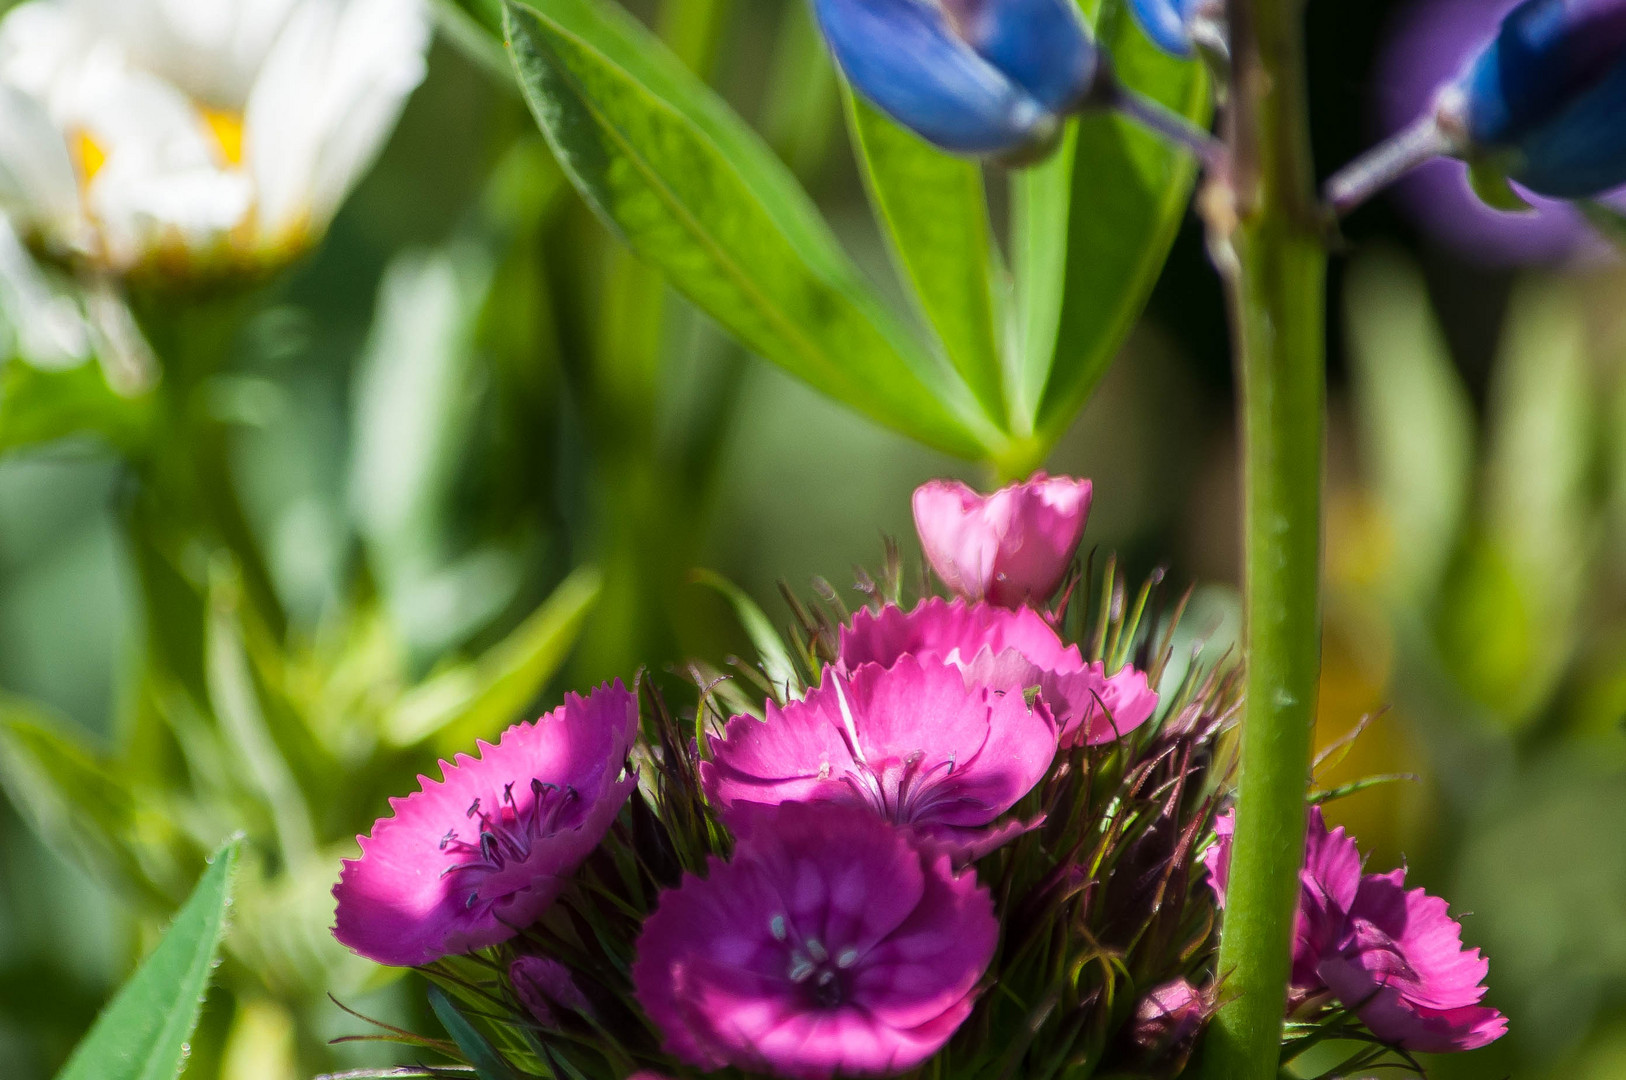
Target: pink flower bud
{"points": [[1009, 548]]}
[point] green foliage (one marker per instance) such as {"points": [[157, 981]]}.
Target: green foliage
{"points": [[143, 1032], [1093, 227], [935, 212], [695, 192], [692, 190], [40, 405]]}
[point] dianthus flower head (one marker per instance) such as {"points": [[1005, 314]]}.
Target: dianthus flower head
{"points": [[830, 943], [1394, 958], [468, 861], [911, 743], [1010, 548], [1010, 651]]}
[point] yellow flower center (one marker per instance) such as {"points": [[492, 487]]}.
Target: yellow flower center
{"points": [[227, 127], [91, 156]]}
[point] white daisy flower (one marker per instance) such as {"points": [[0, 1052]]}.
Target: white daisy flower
{"points": [[192, 137]]}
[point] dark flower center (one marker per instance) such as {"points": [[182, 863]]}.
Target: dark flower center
{"points": [[901, 791], [507, 834], [824, 979]]}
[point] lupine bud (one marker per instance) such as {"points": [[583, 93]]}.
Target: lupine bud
{"points": [[1010, 548], [972, 76], [1548, 94], [1182, 27]]}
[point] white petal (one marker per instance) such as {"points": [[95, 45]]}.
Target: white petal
{"points": [[328, 97], [37, 180], [211, 49], [50, 330]]}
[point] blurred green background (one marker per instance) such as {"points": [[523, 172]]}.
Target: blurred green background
{"points": [[468, 395]]}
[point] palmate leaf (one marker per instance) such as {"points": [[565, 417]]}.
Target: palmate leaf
{"points": [[697, 194], [935, 213], [1092, 229], [143, 1032]]}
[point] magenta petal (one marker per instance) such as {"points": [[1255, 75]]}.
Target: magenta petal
{"points": [[468, 860], [911, 742], [1009, 651], [1010, 548], [1327, 885], [828, 944], [1401, 964]]}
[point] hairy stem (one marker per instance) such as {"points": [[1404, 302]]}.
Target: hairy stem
{"points": [[1266, 234]]}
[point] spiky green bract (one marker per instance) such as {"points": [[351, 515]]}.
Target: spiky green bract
{"points": [[1099, 907]]}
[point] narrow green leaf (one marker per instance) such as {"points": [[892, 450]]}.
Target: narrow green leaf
{"points": [[478, 699], [39, 406], [776, 661], [697, 194], [1126, 191], [143, 1032], [85, 806], [1415, 422], [488, 1065], [935, 212]]}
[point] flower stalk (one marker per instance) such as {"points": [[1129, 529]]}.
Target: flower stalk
{"points": [[1266, 233]]}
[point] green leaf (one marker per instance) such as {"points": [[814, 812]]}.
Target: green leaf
{"points": [[478, 699], [143, 1032], [39, 405], [1103, 216], [85, 806], [697, 194], [1494, 189], [777, 664], [1415, 422], [488, 1064], [935, 213], [1611, 223]]}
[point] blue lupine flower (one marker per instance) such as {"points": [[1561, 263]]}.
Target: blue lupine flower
{"points": [[972, 76], [1548, 97], [1169, 23]]}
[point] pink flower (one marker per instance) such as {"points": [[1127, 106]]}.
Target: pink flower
{"points": [[1009, 548], [911, 742], [829, 943], [1393, 957], [545, 987], [468, 861], [1009, 651], [1169, 1017]]}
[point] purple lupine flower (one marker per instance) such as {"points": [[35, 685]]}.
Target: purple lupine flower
{"points": [[1010, 548], [829, 943], [1394, 958], [972, 76], [1429, 46], [469, 860], [911, 742], [1010, 651], [546, 988]]}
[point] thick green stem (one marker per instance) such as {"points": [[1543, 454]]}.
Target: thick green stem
{"points": [[1267, 239]]}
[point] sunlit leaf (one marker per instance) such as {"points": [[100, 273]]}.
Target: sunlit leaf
{"points": [[777, 664], [85, 806], [143, 1032], [475, 1046], [696, 193], [935, 214], [1093, 228], [38, 406], [1415, 421], [480, 698]]}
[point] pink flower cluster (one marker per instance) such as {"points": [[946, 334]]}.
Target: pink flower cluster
{"points": [[845, 933], [1393, 957]]}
